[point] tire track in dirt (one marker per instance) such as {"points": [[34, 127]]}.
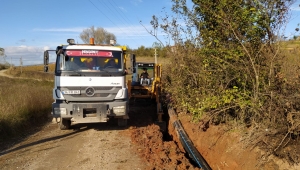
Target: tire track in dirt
{"points": [[92, 146]]}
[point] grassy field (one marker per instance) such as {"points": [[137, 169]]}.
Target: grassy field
{"points": [[35, 72], [291, 62], [24, 104], [151, 60]]}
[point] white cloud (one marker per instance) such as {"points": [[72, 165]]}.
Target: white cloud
{"points": [[133, 31], [75, 29], [118, 31], [46, 48], [30, 55]]}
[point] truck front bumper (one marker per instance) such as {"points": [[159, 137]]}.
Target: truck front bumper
{"points": [[90, 112]]}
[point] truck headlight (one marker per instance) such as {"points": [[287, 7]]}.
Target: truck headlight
{"points": [[119, 109], [60, 111], [122, 93], [58, 94]]}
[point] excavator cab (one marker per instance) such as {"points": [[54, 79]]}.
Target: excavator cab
{"points": [[145, 74]]}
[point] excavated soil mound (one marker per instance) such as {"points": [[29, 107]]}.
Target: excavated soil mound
{"points": [[158, 153], [149, 140]]}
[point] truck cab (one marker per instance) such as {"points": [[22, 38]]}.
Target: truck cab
{"points": [[89, 84]]}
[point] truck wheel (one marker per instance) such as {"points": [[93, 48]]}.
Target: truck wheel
{"points": [[64, 124], [122, 122]]}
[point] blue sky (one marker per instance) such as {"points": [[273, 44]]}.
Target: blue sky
{"points": [[28, 27]]}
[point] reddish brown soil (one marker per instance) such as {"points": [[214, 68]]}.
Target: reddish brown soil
{"points": [[159, 154], [226, 148], [221, 147], [155, 151]]}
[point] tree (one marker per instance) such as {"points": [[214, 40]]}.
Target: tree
{"points": [[100, 35], [2, 54], [2, 51]]}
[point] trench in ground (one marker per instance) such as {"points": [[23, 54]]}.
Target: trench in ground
{"points": [[143, 113]]}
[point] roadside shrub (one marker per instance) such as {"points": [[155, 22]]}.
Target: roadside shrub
{"points": [[228, 63], [3, 66]]}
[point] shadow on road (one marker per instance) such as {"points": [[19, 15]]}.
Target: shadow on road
{"points": [[72, 134]]}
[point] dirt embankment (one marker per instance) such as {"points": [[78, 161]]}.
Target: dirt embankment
{"points": [[227, 148]]}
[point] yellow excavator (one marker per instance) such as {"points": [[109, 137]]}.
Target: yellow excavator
{"points": [[147, 88]]}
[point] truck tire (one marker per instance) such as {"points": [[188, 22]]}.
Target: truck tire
{"points": [[64, 124], [122, 122]]}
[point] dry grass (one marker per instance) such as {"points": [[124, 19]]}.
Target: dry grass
{"points": [[291, 44], [33, 72], [291, 62], [152, 60], [24, 104]]}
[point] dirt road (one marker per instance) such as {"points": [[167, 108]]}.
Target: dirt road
{"points": [[91, 146], [2, 73]]}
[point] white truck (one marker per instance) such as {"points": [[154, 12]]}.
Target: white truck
{"points": [[89, 83]]}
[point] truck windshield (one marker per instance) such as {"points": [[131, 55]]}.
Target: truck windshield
{"points": [[90, 60]]}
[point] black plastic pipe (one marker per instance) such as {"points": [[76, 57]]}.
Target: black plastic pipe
{"points": [[187, 143]]}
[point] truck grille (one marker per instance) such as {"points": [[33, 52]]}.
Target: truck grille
{"points": [[100, 93], [96, 95], [96, 88]]}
